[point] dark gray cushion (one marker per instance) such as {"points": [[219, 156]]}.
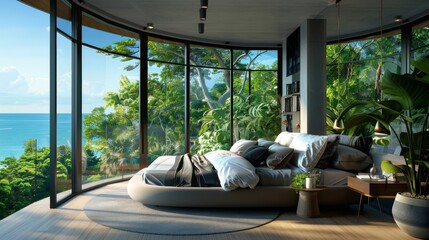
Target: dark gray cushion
{"points": [[278, 156], [329, 153], [358, 142], [350, 159], [256, 154], [264, 142]]}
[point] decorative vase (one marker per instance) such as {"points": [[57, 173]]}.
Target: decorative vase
{"points": [[309, 182], [411, 215]]}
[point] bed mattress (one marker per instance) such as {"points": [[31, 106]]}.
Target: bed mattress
{"points": [[272, 191], [156, 173]]}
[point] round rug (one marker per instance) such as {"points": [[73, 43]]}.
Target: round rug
{"points": [[117, 210]]}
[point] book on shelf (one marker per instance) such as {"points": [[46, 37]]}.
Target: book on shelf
{"points": [[292, 104], [292, 88]]}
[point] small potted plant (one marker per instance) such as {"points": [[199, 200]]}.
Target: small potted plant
{"points": [[305, 180]]}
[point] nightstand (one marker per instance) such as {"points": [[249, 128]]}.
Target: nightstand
{"points": [[308, 204], [375, 189]]}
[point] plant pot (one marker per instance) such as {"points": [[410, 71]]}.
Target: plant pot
{"points": [[412, 215]]}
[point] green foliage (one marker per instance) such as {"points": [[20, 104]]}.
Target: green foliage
{"points": [[25, 179], [405, 101], [298, 181], [354, 73]]}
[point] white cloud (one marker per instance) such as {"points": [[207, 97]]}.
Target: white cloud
{"points": [[48, 28], [39, 86], [11, 81], [21, 93], [93, 89]]}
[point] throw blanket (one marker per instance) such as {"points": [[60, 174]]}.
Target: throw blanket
{"points": [[195, 171]]}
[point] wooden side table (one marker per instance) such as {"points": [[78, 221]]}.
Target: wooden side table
{"points": [[375, 189], [308, 204]]}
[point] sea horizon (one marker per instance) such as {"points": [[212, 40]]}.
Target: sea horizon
{"points": [[16, 128]]}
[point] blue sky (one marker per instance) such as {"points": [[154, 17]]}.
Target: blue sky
{"points": [[24, 65], [24, 59]]}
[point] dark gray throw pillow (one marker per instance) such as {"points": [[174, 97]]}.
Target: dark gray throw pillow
{"points": [[278, 156], [329, 153], [350, 159], [264, 142], [358, 142], [256, 154]]}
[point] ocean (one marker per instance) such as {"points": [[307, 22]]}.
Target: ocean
{"points": [[16, 128]]}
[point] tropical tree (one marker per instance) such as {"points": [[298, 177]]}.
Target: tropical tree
{"points": [[354, 73], [25, 179], [210, 111]]}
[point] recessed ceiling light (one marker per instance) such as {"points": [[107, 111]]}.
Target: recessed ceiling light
{"points": [[149, 26], [398, 19], [204, 3]]}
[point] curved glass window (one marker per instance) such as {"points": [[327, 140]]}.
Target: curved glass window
{"points": [[110, 102], [108, 37], [210, 109], [255, 59], [210, 57], [64, 116], [420, 40], [355, 69], [166, 98], [166, 51]]}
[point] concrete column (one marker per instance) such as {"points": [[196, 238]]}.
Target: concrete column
{"points": [[313, 76]]}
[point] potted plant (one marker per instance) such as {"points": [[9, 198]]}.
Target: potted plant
{"points": [[405, 99], [305, 180]]}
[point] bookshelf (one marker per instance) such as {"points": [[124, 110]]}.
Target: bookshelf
{"points": [[291, 103], [291, 107]]}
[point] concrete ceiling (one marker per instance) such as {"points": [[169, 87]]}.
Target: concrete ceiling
{"points": [[256, 22]]}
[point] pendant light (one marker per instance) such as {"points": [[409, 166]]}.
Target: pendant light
{"points": [[380, 129]]}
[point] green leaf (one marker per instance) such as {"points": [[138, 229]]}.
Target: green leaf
{"points": [[406, 90], [388, 167]]}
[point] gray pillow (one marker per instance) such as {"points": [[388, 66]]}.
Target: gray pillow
{"points": [[278, 156], [350, 159]]}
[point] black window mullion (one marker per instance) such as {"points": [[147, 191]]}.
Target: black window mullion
{"points": [[231, 98], [279, 72], [53, 103], [143, 100], [187, 98], [76, 100]]}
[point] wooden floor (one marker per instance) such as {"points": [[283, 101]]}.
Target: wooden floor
{"points": [[38, 221]]}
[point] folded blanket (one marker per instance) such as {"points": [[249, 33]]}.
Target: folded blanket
{"points": [[193, 171]]}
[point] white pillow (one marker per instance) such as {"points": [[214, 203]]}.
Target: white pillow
{"points": [[286, 138], [234, 172], [242, 145], [308, 150]]}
